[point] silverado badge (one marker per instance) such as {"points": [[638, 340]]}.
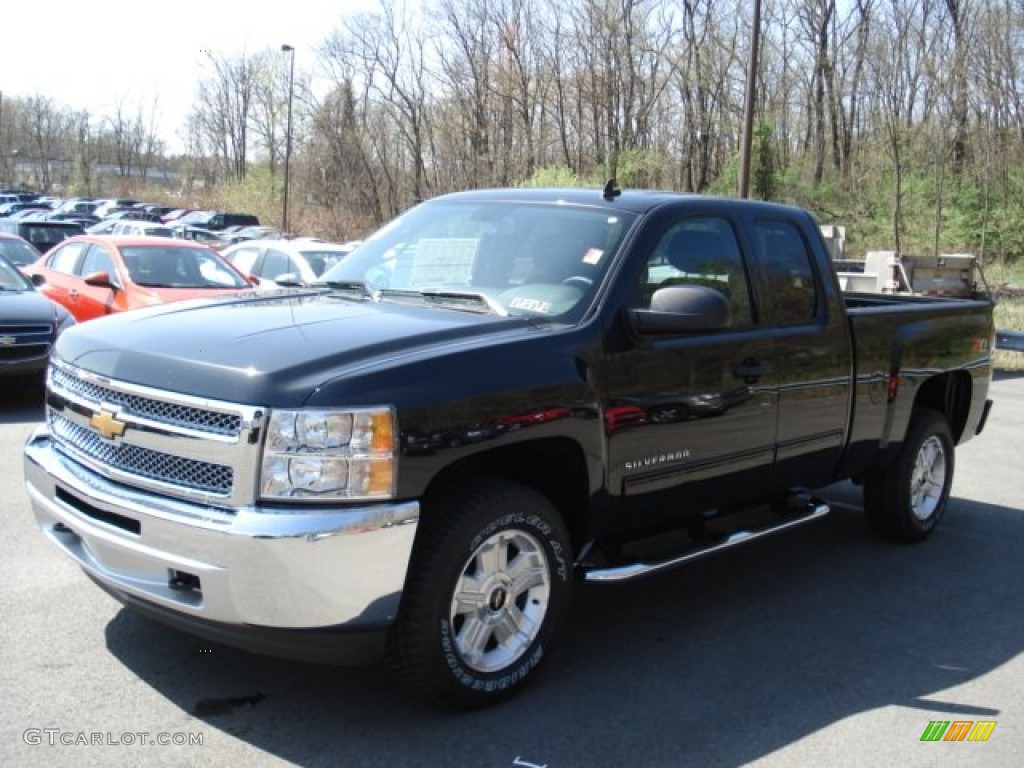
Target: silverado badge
{"points": [[105, 423]]}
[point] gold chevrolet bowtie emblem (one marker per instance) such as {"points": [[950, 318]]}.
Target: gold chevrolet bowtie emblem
{"points": [[105, 423]]}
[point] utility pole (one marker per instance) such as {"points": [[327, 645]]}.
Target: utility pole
{"points": [[749, 99]]}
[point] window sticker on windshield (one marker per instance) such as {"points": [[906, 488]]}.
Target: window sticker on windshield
{"points": [[593, 256], [530, 305], [443, 261]]}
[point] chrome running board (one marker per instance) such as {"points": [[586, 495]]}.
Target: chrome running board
{"points": [[814, 510]]}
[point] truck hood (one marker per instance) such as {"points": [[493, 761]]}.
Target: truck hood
{"points": [[268, 349], [25, 307]]}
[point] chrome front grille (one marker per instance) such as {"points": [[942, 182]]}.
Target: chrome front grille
{"points": [[17, 329], [142, 462], [169, 443], [200, 419], [24, 342]]}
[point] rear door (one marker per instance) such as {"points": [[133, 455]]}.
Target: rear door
{"points": [[814, 367], [59, 273]]}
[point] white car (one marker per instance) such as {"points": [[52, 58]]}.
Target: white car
{"points": [[299, 261], [141, 228], [104, 227]]}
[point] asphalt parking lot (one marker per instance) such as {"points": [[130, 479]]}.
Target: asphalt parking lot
{"points": [[820, 646]]}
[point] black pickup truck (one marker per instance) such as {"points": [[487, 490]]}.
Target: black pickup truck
{"points": [[497, 395]]}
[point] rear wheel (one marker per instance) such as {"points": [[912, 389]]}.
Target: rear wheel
{"points": [[488, 587], [905, 499]]}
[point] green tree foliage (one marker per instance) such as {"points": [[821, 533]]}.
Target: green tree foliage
{"points": [[765, 164], [554, 176]]}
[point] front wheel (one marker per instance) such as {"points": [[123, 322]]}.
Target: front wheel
{"points": [[905, 499], [488, 587]]}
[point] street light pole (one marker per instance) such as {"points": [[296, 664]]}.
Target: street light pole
{"points": [[288, 137]]}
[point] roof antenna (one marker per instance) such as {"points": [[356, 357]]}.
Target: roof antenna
{"points": [[610, 190]]}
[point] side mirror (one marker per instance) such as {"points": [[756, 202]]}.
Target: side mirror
{"points": [[37, 280], [100, 280], [289, 280], [683, 309]]}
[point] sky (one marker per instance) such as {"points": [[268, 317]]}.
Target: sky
{"points": [[91, 55]]}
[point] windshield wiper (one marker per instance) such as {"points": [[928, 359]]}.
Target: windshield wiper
{"points": [[350, 285], [460, 300]]}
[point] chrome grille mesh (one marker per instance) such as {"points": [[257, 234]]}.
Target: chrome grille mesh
{"points": [[164, 442], [20, 330], [199, 419], [165, 468]]}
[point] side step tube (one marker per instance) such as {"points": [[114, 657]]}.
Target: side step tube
{"points": [[634, 570]]}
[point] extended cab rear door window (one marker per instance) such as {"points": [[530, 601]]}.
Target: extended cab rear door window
{"points": [[787, 277]]}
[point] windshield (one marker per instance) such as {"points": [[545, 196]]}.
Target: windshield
{"points": [[11, 279], [178, 267], [539, 260], [321, 261], [18, 252]]}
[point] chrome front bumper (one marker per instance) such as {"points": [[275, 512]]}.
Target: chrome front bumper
{"points": [[305, 568]]}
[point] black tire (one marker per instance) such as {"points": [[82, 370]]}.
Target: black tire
{"points": [[504, 548], [905, 499]]}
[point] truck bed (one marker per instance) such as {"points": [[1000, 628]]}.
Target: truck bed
{"points": [[900, 341]]}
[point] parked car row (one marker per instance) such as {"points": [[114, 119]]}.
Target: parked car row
{"points": [[76, 260], [219, 228], [92, 276]]}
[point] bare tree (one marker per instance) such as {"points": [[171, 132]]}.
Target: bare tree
{"points": [[960, 17], [816, 17], [44, 126], [703, 67], [224, 101]]}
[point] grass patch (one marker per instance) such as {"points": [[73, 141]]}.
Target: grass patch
{"points": [[1009, 312]]}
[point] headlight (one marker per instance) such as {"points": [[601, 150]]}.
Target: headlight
{"points": [[329, 454]]}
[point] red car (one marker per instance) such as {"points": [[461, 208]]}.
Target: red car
{"points": [[94, 275]]}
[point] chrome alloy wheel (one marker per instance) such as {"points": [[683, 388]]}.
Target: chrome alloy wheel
{"points": [[928, 478], [500, 600]]}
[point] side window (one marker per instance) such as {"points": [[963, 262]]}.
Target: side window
{"points": [[97, 260], [701, 251], [790, 290], [275, 264], [65, 258], [244, 259]]}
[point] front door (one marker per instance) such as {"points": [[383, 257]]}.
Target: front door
{"points": [[690, 419], [95, 300]]}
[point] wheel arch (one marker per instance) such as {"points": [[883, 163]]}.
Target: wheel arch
{"points": [[555, 467], [950, 394]]}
